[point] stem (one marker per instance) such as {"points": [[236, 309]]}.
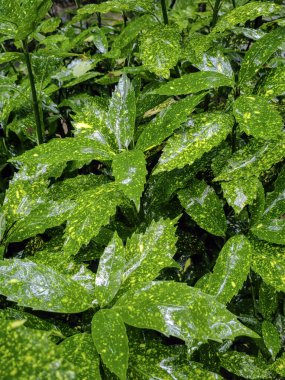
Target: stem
{"points": [[215, 12], [234, 3], [234, 138], [164, 12], [39, 125]]}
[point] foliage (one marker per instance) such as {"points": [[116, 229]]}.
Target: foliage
{"points": [[142, 229]]}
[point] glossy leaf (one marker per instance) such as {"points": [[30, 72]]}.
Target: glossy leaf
{"points": [[110, 271], [272, 230], [122, 113], [203, 133], [92, 211], [271, 338], [249, 367], [274, 84], [41, 288], [163, 125], [79, 349], [230, 270], [259, 53], [203, 205], [194, 82], [129, 170], [169, 306], [111, 341], [213, 61], [160, 49], [118, 5], [268, 300], [258, 118]]}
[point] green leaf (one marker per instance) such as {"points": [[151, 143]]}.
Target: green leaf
{"points": [[257, 207], [111, 341], [160, 49], [279, 366], [167, 121], [29, 354], [258, 118], [41, 288], [274, 84], [231, 269], [259, 53], [241, 192], [272, 230], [268, 300], [148, 253], [169, 306], [110, 271], [194, 82], [117, 5], [122, 113], [203, 205], [204, 132], [2, 223], [271, 338], [79, 349], [92, 211], [129, 170], [249, 367]]}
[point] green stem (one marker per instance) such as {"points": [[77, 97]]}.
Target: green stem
{"points": [[164, 12], [39, 126], [215, 12]]}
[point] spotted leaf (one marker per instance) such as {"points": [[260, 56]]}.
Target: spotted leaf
{"points": [[41, 288], [271, 338], [203, 205], [268, 300], [274, 84], [279, 366], [111, 341]]}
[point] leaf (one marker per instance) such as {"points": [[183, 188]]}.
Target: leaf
{"points": [[230, 270], [110, 271], [92, 211], [259, 53], [2, 223], [167, 121], [79, 349], [203, 205], [279, 366], [148, 253], [240, 192], [268, 300], [129, 170], [270, 230], [29, 354], [111, 341], [271, 338], [249, 367], [204, 133], [41, 288], [258, 118], [160, 49], [274, 84], [117, 5], [194, 82], [168, 307], [122, 113]]}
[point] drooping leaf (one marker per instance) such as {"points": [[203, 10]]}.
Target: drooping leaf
{"points": [[166, 122], [79, 349], [122, 113], [274, 84], [271, 338], [41, 288], [259, 53], [203, 205], [110, 271], [231, 269], [258, 118], [111, 341], [160, 49], [169, 306], [194, 82], [129, 169], [203, 133], [249, 367], [268, 300]]}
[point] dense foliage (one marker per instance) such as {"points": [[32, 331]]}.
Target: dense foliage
{"points": [[143, 190]]}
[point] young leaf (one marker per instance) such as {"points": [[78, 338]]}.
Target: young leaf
{"points": [[129, 170], [260, 52], [231, 269], [258, 118], [79, 349], [203, 205], [41, 288], [271, 338], [185, 147], [110, 271], [122, 113], [160, 49], [111, 341], [167, 121], [169, 306], [194, 82]]}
